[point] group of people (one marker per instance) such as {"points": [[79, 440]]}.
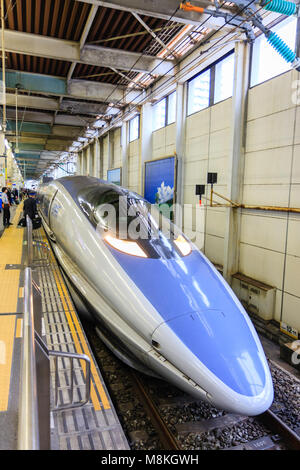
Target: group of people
{"points": [[29, 207]]}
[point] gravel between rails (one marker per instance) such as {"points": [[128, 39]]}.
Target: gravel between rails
{"points": [[176, 407]]}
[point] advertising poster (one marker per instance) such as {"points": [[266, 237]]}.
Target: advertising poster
{"points": [[160, 181]]}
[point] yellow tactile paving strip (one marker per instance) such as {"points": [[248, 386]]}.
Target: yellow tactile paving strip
{"points": [[78, 337], [11, 246], [80, 344], [10, 253], [7, 332]]}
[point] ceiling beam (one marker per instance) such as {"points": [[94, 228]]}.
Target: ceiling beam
{"points": [[48, 118], [52, 104], [70, 51], [166, 9], [78, 89]]}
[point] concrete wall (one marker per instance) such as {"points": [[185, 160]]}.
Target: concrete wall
{"points": [[269, 245], [270, 241], [207, 147]]}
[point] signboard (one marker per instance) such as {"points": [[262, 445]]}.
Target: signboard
{"points": [[289, 330], [160, 181]]}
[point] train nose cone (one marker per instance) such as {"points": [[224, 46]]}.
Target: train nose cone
{"points": [[229, 351]]}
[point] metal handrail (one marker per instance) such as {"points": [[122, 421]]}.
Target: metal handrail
{"points": [[72, 356], [29, 241], [28, 429]]}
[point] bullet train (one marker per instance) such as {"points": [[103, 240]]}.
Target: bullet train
{"points": [[158, 302]]}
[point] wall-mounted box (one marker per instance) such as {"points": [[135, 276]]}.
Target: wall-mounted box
{"points": [[257, 297]]}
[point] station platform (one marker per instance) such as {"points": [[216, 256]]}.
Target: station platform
{"points": [[94, 425]]}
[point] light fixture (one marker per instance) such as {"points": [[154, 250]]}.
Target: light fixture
{"points": [[125, 246], [183, 245]]}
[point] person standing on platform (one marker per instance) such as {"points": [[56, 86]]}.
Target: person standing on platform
{"points": [[29, 207], [6, 208]]}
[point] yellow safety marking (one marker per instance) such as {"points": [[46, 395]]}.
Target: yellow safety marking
{"points": [[7, 331], [19, 328], [104, 399], [9, 290], [81, 348]]}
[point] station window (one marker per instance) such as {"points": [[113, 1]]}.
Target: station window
{"points": [[134, 128], [224, 77], [198, 92], [211, 86], [164, 112], [266, 62]]}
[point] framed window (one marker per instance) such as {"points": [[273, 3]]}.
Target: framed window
{"points": [[164, 112], [171, 107], [134, 128], [211, 86], [199, 92], [159, 114], [266, 62], [224, 77]]}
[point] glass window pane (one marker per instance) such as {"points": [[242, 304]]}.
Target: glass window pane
{"points": [[224, 76], [198, 92], [266, 62], [159, 114], [134, 128], [171, 108]]}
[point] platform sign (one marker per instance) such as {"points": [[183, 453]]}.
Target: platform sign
{"points": [[288, 330]]}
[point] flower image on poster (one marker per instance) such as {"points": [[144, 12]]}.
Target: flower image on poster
{"points": [[160, 181]]}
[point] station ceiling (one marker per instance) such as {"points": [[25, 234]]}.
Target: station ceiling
{"points": [[68, 64]]}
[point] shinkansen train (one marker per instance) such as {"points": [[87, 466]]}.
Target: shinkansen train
{"points": [[158, 302]]}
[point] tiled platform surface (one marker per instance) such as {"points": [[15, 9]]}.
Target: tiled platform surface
{"points": [[93, 426]]}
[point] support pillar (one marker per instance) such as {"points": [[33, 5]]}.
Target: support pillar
{"points": [[236, 159], [88, 161], [180, 148], [97, 159], [145, 142], [124, 144]]}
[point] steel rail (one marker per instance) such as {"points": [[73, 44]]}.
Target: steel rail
{"points": [[291, 439], [167, 438]]}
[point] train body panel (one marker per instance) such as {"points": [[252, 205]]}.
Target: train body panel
{"points": [[173, 312]]}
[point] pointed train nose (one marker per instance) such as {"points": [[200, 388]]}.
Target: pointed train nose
{"points": [[231, 363]]}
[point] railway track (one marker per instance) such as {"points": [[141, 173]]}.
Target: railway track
{"points": [[157, 416], [277, 434]]}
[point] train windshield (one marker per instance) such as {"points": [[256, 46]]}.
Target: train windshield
{"points": [[126, 216]]}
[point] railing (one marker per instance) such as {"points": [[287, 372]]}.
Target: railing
{"points": [[28, 432], [30, 260], [34, 392]]}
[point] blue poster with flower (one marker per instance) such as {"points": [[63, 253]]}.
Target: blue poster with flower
{"points": [[160, 181]]}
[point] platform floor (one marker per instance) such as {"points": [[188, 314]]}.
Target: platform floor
{"points": [[93, 426]]}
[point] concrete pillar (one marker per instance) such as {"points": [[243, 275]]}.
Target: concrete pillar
{"points": [[111, 140], [101, 151], [88, 160], [78, 163], [84, 163], [145, 142], [236, 159], [124, 144], [97, 159], [181, 97]]}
